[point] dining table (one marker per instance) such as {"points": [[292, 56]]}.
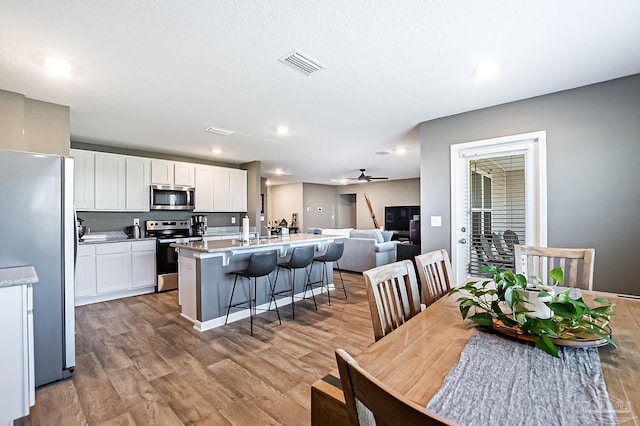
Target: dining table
{"points": [[416, 358]]}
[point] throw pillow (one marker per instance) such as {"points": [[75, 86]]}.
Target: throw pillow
{"points": [[386, 235]]}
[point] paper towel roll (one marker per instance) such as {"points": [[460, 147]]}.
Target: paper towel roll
{"points": [[245, 228]]}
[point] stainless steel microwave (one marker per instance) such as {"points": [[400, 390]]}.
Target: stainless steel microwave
{"points": [[170, 197]]}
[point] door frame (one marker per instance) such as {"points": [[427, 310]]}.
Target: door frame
{"points": [[534, 146]]}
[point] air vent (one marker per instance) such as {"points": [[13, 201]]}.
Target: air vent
{"points": [[302, 62], [218, 131]]}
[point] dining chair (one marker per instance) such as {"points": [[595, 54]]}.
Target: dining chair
{"points": [[393, 295], [371, 402], [434, 269], [576, 264]]}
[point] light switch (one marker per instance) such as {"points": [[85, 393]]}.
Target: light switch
{"points": [[436, 221], [233, 220]]}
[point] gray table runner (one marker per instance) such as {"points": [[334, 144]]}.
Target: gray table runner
{"points": [[501, 381]]}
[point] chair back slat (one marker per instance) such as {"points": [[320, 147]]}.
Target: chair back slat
{"points": [[393, 295], [434, 269], [576, 264]]}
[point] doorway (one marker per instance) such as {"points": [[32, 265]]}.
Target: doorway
{"points": [[347, 211], [499, 198]]}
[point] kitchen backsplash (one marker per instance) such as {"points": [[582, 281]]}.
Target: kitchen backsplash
{"points": [[114, 221]]}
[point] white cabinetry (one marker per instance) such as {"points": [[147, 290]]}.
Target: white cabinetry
{"points": [[221, 190], [183, 174], [113, 267], [110, 181], [83, 178], [86, 271], [113, 270], [238, 189], [164, 172], [143, 264], [16, 358], [204, 188], [229, 190], [137, 183]]}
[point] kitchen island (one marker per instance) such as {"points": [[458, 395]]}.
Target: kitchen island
{"points": [[205, 281]]}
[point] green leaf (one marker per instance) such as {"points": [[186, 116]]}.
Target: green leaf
{"points": [[544, 342], [557, 275], [602, 300], [483, 318], [464, 310], [565, 310]]}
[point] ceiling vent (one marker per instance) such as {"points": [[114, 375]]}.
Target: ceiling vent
{"points": [[302, 62], [218, 131]]}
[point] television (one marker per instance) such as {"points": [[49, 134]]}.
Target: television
{"points": [[397, 218]]}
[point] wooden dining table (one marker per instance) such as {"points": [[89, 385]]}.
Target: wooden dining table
{"points": [[416, 358]]}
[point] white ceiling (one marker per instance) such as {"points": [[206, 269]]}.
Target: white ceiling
{"points": [[152, 74]]}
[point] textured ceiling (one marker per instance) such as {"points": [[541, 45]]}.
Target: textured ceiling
{"points": [[153, 74]]}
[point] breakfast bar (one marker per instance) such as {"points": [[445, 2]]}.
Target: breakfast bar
{"points": [[205, 281]]}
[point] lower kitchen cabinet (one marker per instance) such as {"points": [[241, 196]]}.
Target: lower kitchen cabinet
{"points": [[17, 387], [110, 271]]}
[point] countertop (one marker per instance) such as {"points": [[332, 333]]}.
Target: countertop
{"points": [[19, 275], [113, 240], [275, 242]]}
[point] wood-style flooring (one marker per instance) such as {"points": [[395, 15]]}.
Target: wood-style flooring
{"points": [[139, 363]]}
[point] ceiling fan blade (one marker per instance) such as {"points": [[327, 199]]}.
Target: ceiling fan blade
{"points": [[376, 178]]}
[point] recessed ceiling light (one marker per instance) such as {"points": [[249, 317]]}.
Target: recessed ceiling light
{"points": [[278, 171], [58, 67], [401, 151], [486, 70], [216, 150], [282, 130]]}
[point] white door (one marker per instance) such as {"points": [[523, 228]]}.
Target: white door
{"points": [[479, 171]]}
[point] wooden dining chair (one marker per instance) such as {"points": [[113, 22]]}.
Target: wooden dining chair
{"points": [[370, 402], [576, 264], [434, 269], [393, 295]]}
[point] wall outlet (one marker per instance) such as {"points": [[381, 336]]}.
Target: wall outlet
{"points": [[136, 221], [233, 220]]}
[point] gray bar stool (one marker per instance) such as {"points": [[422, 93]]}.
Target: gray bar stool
{"points": [[301, 257], [333, 254], [260, 264]]}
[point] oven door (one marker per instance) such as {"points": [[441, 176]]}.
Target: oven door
{"points": [[167, 264]]}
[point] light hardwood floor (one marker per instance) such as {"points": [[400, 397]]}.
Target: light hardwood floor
{"points": [[139, 363]]}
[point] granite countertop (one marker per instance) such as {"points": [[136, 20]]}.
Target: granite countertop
{"points": [[109, 237], [20, 275], [227, 245]]}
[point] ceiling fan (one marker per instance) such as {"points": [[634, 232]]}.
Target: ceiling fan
{"points": [[367, 178]]}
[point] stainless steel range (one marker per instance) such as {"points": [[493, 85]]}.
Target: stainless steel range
{"points": [[167, 232]]}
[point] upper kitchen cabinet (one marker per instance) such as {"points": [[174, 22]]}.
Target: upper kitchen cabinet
{"points": [[221, 190], [137, 183], [162, 172], [165, 172], [110, 182], [83, 178], [229, 190], [238, 188], [204, 188], [184, 174]]}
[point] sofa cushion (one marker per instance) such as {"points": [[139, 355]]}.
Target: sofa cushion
{"points": [[386, 235], [367, 233], [343, 232]]}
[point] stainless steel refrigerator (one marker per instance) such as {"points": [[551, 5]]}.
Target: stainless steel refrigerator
{"points": [[38, 228]]}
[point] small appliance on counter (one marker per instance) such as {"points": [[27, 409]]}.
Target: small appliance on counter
{"points": [[198, 224], [80, 229], [133, 232]]}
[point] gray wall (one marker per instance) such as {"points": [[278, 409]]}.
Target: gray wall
{"points": [[314, 198], [593, 149]]}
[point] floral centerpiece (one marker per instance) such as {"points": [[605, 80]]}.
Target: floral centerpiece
{"points": [[511, 301]]}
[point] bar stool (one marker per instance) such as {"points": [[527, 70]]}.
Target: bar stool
{"points": [[260, 264], [301, 257], [333, 254]]}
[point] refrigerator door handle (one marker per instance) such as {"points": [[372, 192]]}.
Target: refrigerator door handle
{"points": [[70, 251]]}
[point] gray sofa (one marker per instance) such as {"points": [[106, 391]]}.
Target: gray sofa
{"points": [[364, 249]]}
